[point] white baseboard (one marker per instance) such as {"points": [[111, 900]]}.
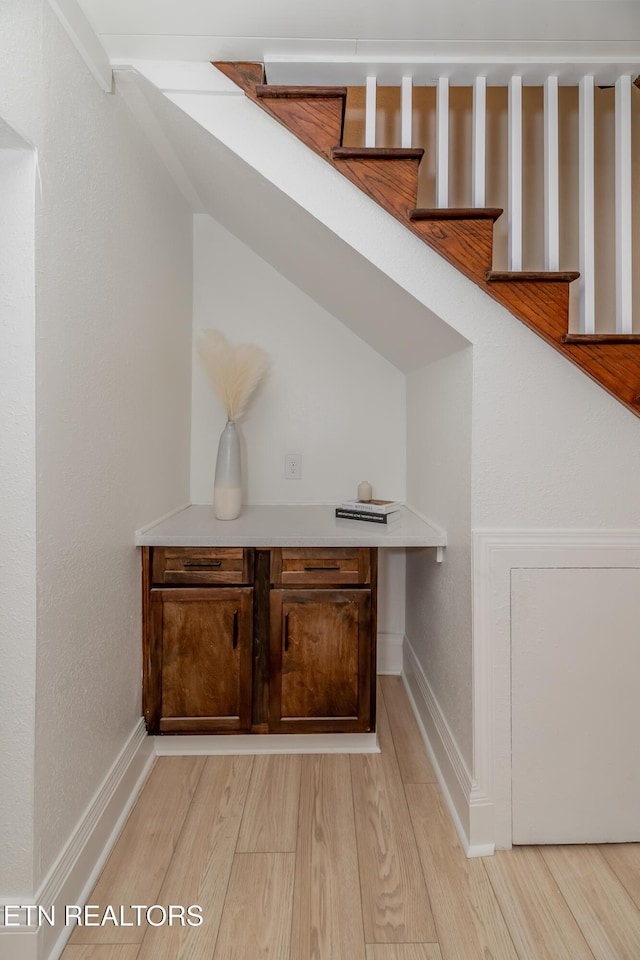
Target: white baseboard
{"points": [[471, 812], [19, 944], [78, 867], [220, 745], [76, 870], [390, 653]]}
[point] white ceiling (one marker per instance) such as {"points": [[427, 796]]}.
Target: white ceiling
{"points": [[202, 29]]}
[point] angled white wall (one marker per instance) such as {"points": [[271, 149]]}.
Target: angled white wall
{"points": [[304, 218]]}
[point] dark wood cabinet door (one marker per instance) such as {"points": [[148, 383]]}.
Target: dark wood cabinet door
{"points": [[201, 653], [321, 656]]}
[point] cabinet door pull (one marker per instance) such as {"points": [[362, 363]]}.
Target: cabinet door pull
{"points": [[235, 629], [323, 568], [206, 564], [286, 632]]}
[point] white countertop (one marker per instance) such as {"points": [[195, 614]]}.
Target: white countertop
{"points": [[286, 526]]}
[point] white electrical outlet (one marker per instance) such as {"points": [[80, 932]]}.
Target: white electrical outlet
{"points": [[293, 466]]}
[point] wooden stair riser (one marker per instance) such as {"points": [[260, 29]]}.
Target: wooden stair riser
{"points": [[466, 243], [317, 122], [616, 367], [247, 76], [391, 183], [542, 306]]}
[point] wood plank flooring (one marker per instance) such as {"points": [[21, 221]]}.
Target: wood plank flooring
{"points": [[347, 858]]}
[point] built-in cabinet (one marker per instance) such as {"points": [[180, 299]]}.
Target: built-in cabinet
{"points": [[245, 639]]}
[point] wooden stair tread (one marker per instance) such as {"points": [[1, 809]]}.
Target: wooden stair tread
{"points": [[377, 153], [455, 213], [532, 276], [271, 91], [587, 338]]}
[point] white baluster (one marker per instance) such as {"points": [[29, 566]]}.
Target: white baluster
{"points": [[406, 110], [442, 143], [624, 281], [370, 113], [586, 208], [515, 174], [551, 190], [478, 174]]}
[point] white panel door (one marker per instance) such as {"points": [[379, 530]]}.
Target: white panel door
{"points": [[575, 642]]}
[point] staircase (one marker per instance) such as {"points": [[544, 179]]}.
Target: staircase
{"points": [[463, 236]]}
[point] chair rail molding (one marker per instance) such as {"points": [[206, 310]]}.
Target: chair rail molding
{"points": [[495, 554]]}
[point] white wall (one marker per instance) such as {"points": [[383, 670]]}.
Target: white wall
{"points": [[551, 448], [17, 510], [438, 597], [328, 396], [113, 370]]}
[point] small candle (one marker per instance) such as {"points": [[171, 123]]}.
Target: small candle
{"points": [[364, 490]]}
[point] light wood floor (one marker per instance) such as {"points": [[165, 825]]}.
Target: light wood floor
{"points": [[347, 858]]}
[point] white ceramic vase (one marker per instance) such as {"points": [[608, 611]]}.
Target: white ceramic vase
{"points": [[227, 486]]}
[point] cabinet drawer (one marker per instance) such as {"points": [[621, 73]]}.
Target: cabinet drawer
{"points": [[320, 566], [201, 565]]}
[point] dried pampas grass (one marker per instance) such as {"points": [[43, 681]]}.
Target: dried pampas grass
{"points": [[234, 371]]}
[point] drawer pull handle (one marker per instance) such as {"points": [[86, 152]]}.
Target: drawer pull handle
{"points": [[235, 629], [286, 632], [205, 564], [323, 568]]}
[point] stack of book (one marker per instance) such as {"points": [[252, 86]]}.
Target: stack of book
{"points": [[373, 511]]}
